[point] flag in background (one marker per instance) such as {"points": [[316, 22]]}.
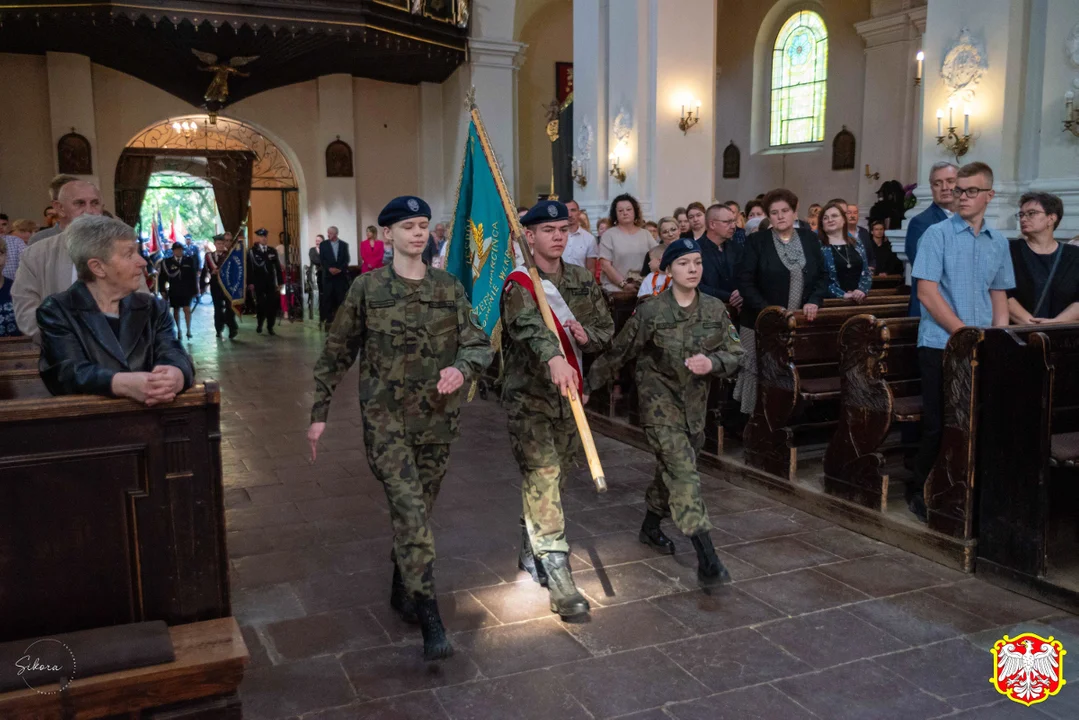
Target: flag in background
{"points": [[160, 231], [233, 273], [480, 252], [173, 237], [179, 226], [154, 241]]}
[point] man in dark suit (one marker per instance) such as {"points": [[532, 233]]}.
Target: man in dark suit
{"points": [[942, 177], [720, 257], [314, 256], [335, 261]]}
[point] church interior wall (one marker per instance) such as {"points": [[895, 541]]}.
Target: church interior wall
{"points": [[25, 137], [807, 173], [549, 36], [386, 154]]}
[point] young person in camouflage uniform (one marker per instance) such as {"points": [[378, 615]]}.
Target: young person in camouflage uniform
{"points": [[680, 339], [420, 344], [543, 434]]}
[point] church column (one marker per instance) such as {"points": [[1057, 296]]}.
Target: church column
{"points": [[430, 151], [71, 104], [994, 34], [494, 64], [589, 129], [337, 196], [889, 141], [660, 66]]}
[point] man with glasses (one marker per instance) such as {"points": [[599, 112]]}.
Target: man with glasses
{"points": [[964, 270], [720, 257], [942, 182]]}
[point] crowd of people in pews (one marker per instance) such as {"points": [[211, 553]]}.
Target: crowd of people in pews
{"points": [[963, 271]]}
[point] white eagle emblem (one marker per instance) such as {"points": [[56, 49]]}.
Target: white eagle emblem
{"points": [[552, 210], [413, 205], [1025, 674]]}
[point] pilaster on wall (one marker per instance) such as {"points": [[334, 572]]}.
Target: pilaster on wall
{"points": [[890, 137], [339, 196], [494, 64], [998, 112], [71, 104], [430, 151], [590, 125]]}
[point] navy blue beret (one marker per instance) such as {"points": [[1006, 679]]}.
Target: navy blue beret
{"points": [[545, 211], [401, 208], [678, 248], [262, 232]]}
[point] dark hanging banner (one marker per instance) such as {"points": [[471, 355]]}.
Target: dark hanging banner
{"points": [[562, 154]]}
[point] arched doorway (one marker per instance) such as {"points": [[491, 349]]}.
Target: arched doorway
{"points": [[251, 180]]}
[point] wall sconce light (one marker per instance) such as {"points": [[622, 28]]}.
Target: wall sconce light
{"points": [[186, 128], [1071, 114], [871, 175], [617, 172], [576, 171], [920, 57], [954, 143], [689, 119]]}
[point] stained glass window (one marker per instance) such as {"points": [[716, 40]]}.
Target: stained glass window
{"points": [[799, 80]]}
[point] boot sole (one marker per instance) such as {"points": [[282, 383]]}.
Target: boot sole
{"points": [[441, 653], [577, 616], [664, 549]]}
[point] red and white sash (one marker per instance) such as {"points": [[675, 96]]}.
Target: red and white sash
{"points": [[562, 314]]}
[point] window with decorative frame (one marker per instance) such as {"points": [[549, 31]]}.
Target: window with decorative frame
{"points": [[799, 80]]}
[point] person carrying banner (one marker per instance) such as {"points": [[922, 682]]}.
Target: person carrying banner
{"points": [[223, 312], [543, 433], [680, 340], [421, 342], [265, 267]]}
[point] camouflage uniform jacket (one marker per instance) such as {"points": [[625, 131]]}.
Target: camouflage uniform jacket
{"points": [[661, 335], [407, 336], [528, 344]]}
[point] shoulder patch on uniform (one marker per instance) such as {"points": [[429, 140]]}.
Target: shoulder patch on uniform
{"points": [[474, 318], [733, 333]]}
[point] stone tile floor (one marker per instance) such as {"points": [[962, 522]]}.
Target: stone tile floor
{"points": [[819, 623]]}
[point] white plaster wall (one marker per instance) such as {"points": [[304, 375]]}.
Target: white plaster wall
{"points": [[26, 147], [386, 153], [1058, 151], [455, 120], [549, 36], [808, 174], [684, 163]]}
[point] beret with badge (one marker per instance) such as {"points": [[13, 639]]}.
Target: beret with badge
{"points": [[545, 211], [678, 248], [262, 232], [402, 208]]}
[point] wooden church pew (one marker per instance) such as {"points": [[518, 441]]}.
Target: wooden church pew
{"points": [[130, 500], [880, 386], [798, 381], [1028, 484], [202, 682]]}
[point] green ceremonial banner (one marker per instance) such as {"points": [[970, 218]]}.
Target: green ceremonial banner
{"points": [[480, 252]]}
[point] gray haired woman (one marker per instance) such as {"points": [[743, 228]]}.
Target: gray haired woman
{"points": [[103, 337]]}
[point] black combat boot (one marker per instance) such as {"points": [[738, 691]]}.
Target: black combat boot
{"points": [[400, 600], [526, 559], [651, 534], [709, 569], [436, 646], [565, 598]]}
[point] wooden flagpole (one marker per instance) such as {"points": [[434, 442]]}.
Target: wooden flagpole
{"points": [[517, 233]]}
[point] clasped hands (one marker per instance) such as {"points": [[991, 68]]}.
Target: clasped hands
{"points": [[158, 386]]}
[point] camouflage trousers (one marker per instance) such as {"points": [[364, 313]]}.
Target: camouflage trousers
{"points": [[544, 449], [676, 490], [411, 475]]}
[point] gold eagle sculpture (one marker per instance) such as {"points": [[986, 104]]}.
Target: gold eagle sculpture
{"points": [[218, 91]]}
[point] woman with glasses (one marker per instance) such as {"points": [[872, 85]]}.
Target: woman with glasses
{"points": [[849, 274], [1046, 271]]}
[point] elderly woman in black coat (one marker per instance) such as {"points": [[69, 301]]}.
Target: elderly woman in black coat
{"points": [[103, 337], [783, 266]]}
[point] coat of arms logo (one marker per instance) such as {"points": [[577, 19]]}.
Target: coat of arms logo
{"points": [[965, 63], [1028, 669]]}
